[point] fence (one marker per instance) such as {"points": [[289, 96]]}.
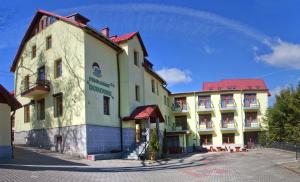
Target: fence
{"points": [[287, 146]]}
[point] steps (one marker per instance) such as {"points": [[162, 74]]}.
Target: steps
{"points": [[136, 152]]}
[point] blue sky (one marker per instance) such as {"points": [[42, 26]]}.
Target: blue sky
{"points": [[189, 42]]}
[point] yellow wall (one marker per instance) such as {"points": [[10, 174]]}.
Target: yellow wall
{"points": [[106, 57], [67, 44], [5, 130], [239, 115]]}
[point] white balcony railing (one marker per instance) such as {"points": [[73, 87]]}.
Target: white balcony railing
{"points": [[251, 104], [227, 105]]}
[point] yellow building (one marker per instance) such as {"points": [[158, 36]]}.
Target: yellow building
{"points": [[8, 104], [85, 92], [228, 113]]}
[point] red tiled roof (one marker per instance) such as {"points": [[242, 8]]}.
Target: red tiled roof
{"points": [[145, 112], [8, 98], [121, 38], [235, 84]]}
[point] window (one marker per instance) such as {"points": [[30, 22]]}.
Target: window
{"points": [[26, 82], [106, 105], [136, 58], [137, 93], [157, 88], [26, 113], [165, 100], [168, 101], [226, 100], [58, 68], [58, 105], [228, 138], [249, 99], [205, 119], [227, 118], [204, 101], [49, 42], [250, 117], [181, 121], [41, 73], [153, 86], [40, 109], [206, 139], [33, 51]]}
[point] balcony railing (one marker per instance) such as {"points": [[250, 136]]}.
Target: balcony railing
{"points": [[252, 125], [180, 108], [33, 86], [208, 126], [251, 105], [208, 106], [228, 125], [227, 105], [177, 128]]}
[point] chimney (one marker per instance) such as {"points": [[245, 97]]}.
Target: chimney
{"points": [[78, 18], [105, 31]]}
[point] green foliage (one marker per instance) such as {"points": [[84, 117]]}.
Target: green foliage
{"points": [[154, 143], [284, 117]]}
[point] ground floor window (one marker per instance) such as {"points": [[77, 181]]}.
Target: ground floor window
{"points": [[26, 113], [206, 139], [58, 105], [228, 138], [40, 106]]}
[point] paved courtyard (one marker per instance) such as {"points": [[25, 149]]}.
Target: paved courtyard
{"points": [[256, 165]]}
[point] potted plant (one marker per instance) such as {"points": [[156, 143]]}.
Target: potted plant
{"points": [[153, 145]]}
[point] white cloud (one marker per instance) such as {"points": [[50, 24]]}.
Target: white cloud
{"points": [[175, 76], [284, 54], [208, 50]]}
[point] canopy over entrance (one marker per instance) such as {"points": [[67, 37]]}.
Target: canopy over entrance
{"points": [[146, 112]]}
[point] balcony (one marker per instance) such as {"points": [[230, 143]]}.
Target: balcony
{"points": [[32, 86], [180, 108], [206, 127], [228, 125], [178, 129], [251, 105], [228, 105], [253, 125], [207, 107]]}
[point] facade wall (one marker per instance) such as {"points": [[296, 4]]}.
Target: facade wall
{"points": [[5, 132], [67, 44], [239, 116], [73, 139]]}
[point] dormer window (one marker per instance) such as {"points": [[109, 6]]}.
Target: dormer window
{"points": [[136, 58]]}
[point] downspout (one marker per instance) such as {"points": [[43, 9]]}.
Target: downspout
{"points": [[119, 100], [11, 134], [195, 107]]}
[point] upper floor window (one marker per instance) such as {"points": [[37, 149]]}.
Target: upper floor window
{"points": [[227, 100], [181, 121], [33, 51], [205, 119], [153, 86], [58, 68], [249, 99], [165, 100], [137, 93], [157, 88], [49, 42], [41, 73], [40, 109], [58, 105], [204, 101], [136, 58], [106, 105], [27, 113]]}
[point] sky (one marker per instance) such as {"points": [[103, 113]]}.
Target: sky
{"points": [[189, 42]]}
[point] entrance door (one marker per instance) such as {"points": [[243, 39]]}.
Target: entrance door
{"points": [[251, 138], [138, 133]]}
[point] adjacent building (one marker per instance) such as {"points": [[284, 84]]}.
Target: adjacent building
{"points": [[85, 91], [8, 104]]}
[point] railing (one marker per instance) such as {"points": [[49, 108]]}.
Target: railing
{"points": [[208, 106], [227, 105], [289, 146], [177, 107], [252, 124], [208, 126], [251, 104], [228, 125], [177, 128], [33, 81]]}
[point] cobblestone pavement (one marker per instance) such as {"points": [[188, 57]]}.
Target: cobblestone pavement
{"points": [[256, 165]]}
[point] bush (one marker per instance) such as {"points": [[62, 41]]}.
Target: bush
{"points": [[154, 143]]}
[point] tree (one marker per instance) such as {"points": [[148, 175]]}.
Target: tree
{"points": [[284, 117], [153, 144]]}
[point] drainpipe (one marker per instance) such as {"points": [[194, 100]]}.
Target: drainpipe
{"points": [[195, 107], [119, 100], [11, 134]]}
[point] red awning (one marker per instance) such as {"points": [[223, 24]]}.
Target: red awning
{"points": [[145, 112]]}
